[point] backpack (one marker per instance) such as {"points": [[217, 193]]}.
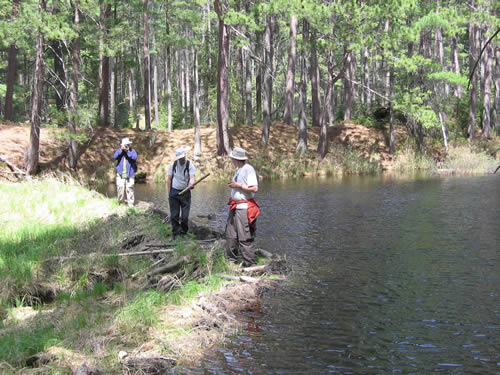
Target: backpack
{"points": [[186, 168]]}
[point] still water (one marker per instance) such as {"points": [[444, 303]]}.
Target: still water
{"points": [[389, 276]]}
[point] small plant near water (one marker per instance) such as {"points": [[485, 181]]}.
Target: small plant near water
{"points": [[463, 160], [410, 162]]}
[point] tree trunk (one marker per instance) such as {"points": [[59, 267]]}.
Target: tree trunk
{"points": [[387, 83], [168, 73], [439, 49], [473, 54], [147, 77], [112, 91], [222, 134], [315, 82], [60, 75], [366, 80], [11, 71], [209, 32], [187, 75], [104, 67], [196, 106], [290, 75], [268, 88], [302, 137], [348, 86], [258, 76], [455, 65], [248, 89], [33, 152], [392, 138], [487, 91], [132, 91], [73, 99], [444, 129], [323, 135], [496, 103], [240, 113], [154, 62]]}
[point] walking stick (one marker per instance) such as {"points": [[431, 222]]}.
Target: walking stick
{"points": [[195, 183]]}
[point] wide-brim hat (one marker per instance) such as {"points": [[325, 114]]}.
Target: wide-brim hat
{"points": [[180, 153], [126, 141], [238, 153]]}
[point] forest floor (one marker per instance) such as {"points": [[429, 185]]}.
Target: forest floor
{"points": [[157, 147]]}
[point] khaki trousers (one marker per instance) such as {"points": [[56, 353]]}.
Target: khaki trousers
{"points": [[125, 189], [240, 238]]}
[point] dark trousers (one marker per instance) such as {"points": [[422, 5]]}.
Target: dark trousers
{"points": [[179, 211], [240, 238]]}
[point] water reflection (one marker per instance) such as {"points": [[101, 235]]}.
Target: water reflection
{"points": [[390, 275]]}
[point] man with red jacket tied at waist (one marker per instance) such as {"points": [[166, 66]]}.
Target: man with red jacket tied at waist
{"points": [[241, 222]]}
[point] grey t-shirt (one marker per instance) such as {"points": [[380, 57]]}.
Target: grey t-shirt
{"points": [[180, 180]]}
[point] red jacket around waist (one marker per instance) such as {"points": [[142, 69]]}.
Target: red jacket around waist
{"points": [[252, 212]]}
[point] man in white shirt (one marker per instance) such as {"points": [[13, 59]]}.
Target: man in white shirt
{"points": [[240, 227], [180, 176]]}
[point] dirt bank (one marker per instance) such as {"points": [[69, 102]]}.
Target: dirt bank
{"points": [[156, 148]]}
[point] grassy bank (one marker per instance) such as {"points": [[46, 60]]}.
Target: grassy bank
{"points": [[461, 159], [65, 311]]}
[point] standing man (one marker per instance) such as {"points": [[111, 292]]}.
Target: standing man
{"points": [[126, 168], [241, 221], [180, 176]]}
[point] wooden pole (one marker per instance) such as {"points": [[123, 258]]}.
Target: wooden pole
{"points": [[196, 182]]}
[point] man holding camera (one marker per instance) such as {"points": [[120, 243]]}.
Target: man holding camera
{"points": [[126, 168]]}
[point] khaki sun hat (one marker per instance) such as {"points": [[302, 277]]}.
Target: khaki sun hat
{"points": [[238, 153]]}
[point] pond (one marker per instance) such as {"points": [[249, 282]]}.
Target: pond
{"points": [[389, 276]]}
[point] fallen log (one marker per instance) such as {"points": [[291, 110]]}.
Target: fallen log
{"points": [[173, 266], [264, 254], [245, 279], [180, 242], [151, 365], [14, 169], [91, 255], [85, 370], [163, 214], [261, 269], [168, 282]]}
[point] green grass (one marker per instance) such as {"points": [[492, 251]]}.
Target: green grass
{"points": [[141, 312], [192, 289], [19, 344], [411, 162], [464, 160], [36, 218], [461, 159], [61, 219]]}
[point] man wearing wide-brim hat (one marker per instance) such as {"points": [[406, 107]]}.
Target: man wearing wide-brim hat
{"points": [[241, 221], [126, 168], [180, 176]]}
